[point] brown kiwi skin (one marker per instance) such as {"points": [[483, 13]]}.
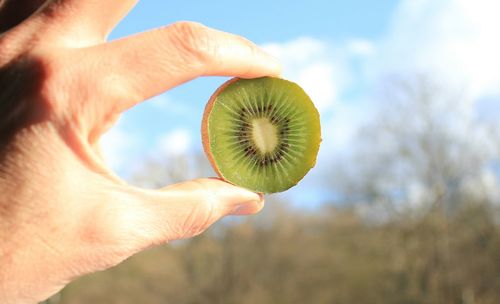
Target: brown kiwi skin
{"points": [[205, 138]]}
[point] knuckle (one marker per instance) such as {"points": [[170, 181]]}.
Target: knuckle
{"points": [[194, 41], [53, 82]]}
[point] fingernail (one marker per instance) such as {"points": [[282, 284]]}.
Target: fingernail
{"points": [[249, 207]]}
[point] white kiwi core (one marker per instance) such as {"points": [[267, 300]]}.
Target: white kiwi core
{"points": [[264, 135]]}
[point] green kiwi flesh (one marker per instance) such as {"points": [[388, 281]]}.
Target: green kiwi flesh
{"points": [[262, 134]]}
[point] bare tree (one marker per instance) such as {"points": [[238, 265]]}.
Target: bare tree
{"points": [[426, 147]]}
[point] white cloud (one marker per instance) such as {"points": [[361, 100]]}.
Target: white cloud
{"points": [[343, 126], [360, 47], [311, 63], [323, 70], [457, 40], [176, 142]]}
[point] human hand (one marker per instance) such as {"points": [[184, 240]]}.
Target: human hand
{"points": [[63, 213]]}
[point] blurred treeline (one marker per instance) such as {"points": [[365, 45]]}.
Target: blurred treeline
{"points": [[415, 219], [332, 256]]}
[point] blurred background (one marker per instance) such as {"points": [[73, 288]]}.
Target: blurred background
{"points": [[403, 205]]}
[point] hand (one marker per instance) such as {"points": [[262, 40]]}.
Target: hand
{"points": [[63, 213]]}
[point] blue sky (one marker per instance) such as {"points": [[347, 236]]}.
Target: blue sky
{"points": [[264, 21], [337, 50]]}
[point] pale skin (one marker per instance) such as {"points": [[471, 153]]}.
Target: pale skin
{"points": [[63, 212]]}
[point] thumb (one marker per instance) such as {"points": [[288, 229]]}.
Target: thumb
{"points": [[184, 210]]}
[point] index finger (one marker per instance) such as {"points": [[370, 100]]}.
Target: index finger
{"points": [[150, 63]]}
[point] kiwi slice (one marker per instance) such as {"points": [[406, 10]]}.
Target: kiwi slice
{"points": [[262, 134]]}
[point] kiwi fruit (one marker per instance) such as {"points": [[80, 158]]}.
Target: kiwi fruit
{"points": [[262, 134]]}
